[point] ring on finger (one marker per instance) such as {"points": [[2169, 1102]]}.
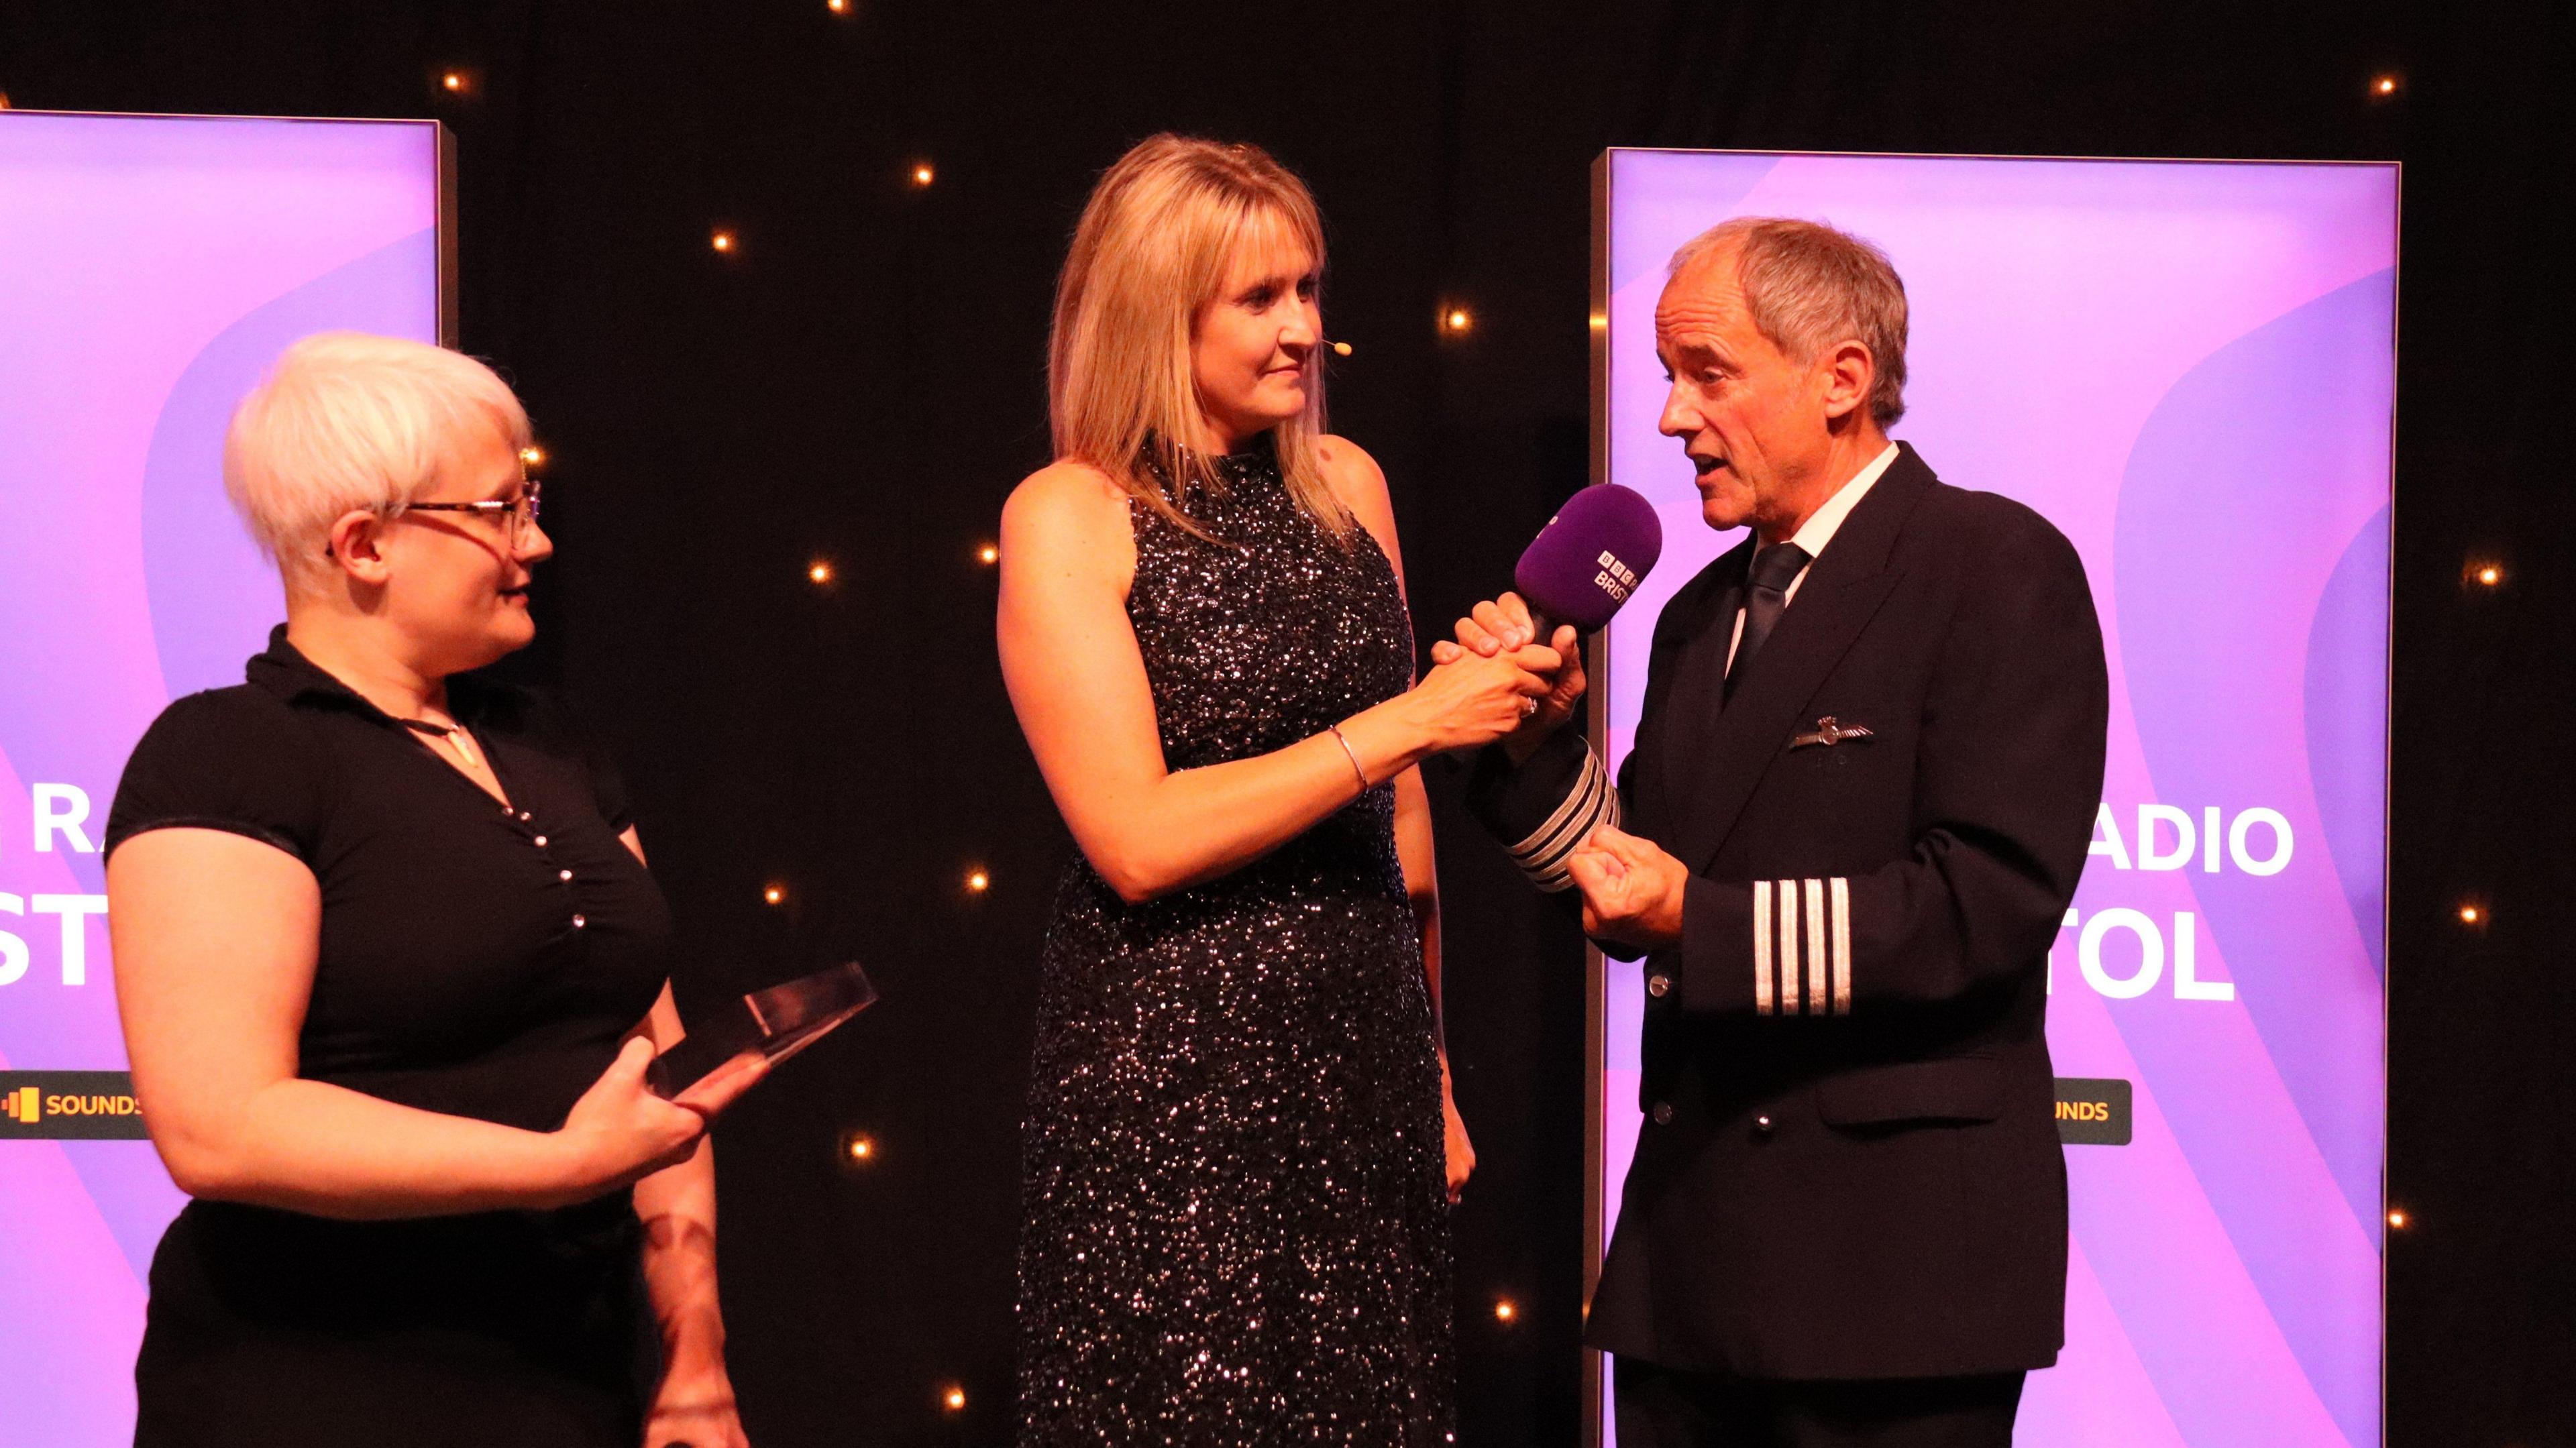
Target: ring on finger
{"points": [[1529, 706]]}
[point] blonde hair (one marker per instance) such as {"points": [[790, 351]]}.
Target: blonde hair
{"points": [[1152, 249], [347, 421], [1808, 286]]}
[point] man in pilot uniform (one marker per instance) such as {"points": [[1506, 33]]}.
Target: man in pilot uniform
{"points": [[1860, 797]]}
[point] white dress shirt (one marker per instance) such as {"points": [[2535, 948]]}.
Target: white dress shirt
{"points": [[1818, 531]]}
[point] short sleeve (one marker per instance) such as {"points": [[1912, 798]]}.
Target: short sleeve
{"points": [[232, 759]]}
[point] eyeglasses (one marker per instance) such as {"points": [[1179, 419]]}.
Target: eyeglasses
{"points": [[521, 511]]}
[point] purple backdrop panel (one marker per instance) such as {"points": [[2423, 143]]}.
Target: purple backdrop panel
{"points": [[2189, 368], [150, 266]]}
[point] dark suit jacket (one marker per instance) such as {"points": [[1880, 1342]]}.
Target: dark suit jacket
{"points": [[1850, 1166]]}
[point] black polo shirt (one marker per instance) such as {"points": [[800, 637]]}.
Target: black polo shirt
{"points": [[475, 959]]}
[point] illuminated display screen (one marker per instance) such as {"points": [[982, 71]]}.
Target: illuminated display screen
{"points": [[150, 268], [2189, 369]]}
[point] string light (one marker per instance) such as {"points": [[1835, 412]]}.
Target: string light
{"points": [[837, 7], [533, 455], [1600, 323], [775, 894], [988, 554], [922, 175], [858, 1148], [2386, 85], [453, 82], [954, 1400], [979, 882], [1457, 321], [2397, 1219], [721, 241], [820, 571], [2471, 915], [2484, 573], [1505, 1310]]}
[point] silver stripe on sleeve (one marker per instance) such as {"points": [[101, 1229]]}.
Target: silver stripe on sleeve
{"points": [[1593, 802], [1762, 947], [1817, 1001], [1567, 812], [1788, 947], [1580, 812], [1546, 864], [1842, 946]]}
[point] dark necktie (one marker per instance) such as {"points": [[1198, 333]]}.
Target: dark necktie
{"points": [[1774, 569]]}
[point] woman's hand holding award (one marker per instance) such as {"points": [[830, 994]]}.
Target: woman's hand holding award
{"points": [[724, 1056]]}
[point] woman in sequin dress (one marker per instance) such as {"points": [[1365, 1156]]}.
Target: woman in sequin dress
{"points": [[1240, 1152]]}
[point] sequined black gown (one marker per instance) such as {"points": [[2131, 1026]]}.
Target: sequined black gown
{"points": [[1236, 1224]]}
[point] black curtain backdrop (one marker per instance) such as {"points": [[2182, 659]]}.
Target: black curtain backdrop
{"points": [[861, 381]]}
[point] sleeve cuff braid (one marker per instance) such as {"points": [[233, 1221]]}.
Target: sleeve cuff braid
{"points": [[1592, 802]]}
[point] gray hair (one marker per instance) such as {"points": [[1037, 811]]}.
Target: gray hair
{"points": [[344, 421], [1809, 287]]}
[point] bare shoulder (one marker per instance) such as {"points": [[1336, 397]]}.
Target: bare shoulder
{"points": [[1068, 514], [1355, 476], [1066, 495], [1357, 480]]}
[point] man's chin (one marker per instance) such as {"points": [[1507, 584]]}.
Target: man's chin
{"points": [[1723, 514]]}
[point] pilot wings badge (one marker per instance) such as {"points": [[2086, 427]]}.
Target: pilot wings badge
{"points": [[1830, 731]]}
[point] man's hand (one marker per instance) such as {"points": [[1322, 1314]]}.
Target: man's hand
{"points": [[1504, 624], [1632, 890]]}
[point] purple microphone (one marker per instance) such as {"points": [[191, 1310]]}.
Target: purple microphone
{"points": [[1587, 560]]}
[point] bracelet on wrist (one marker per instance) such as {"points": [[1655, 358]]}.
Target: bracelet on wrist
{"points": [[1353, 755]]}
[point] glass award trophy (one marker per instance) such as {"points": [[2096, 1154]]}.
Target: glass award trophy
{"points": [[773, 1024]]}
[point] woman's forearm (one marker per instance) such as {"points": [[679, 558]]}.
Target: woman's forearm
{"points": [[1426, 918], [1194, 825], [1414, 849], [678, 1208], [313, 1147]]}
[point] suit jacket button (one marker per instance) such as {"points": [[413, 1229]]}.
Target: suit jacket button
{"points": [[1659, 986], [1663, 1113], [1762, 1124]]}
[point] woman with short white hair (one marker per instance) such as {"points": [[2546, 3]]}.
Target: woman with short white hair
{"points": [[391, 971]]}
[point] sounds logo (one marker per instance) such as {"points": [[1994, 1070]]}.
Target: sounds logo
{"points": [[2092, 1112], [69, 1106]]}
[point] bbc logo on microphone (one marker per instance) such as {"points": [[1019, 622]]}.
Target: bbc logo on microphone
{"points": [[69, 1106], [1616, 579]]}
